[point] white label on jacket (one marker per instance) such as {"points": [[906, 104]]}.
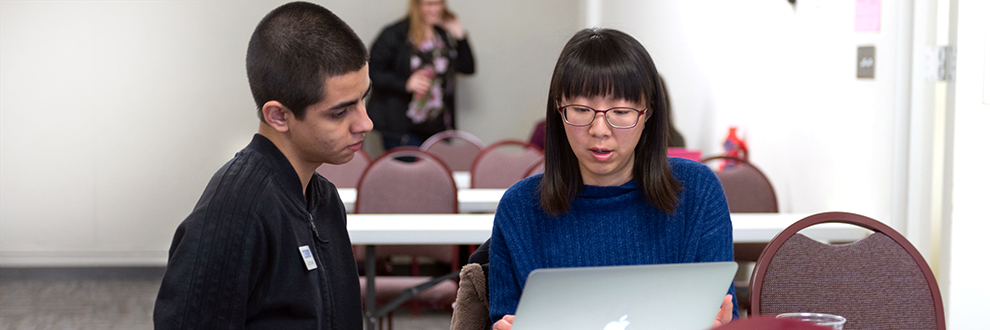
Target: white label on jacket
{"points": [[307, 256]]}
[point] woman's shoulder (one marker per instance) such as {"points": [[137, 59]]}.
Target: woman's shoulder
{"points": [[518, 202], [400, 27], [691, 173], [525, 190], [687, 165]]}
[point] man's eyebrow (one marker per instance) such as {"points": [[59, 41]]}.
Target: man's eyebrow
{"points": [[351, 102]]}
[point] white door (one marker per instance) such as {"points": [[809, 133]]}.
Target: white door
{"points": [[968, 101]]}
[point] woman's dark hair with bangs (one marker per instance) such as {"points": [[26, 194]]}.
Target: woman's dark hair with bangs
{"points": [[292, 52], [606, 62]]}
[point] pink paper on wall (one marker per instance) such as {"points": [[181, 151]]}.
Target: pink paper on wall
{"points": [[867, 15]]}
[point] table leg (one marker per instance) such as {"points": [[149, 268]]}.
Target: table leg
{"points": [[370, 317]]}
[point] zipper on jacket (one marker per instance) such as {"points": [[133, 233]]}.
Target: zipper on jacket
{"points": [[324, 275], [312, 225]]}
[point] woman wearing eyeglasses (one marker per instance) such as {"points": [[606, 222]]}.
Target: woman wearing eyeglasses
{"points": [[609, 194]]}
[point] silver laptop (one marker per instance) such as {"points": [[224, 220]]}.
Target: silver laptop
{"points": [[670, 296]]}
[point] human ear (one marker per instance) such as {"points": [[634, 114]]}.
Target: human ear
{"points": [[276, 115]]}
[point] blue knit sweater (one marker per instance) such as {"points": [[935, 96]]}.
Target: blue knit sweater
{"points": [[606, 226]]}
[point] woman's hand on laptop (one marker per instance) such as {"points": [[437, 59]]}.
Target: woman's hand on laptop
{"points": [[724, 314], [506, 322]]}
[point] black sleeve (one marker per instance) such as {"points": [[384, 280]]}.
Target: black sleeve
{"points": [[480, 256], [465, 58], [208, 279], [381, 66]]}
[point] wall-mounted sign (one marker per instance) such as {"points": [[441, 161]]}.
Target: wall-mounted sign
{"points": [[867, 15]]}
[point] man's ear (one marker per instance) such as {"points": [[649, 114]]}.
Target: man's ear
{"points": [[276, 115]]}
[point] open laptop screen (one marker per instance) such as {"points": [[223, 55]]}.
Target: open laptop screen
{"points": [[669, 296]]}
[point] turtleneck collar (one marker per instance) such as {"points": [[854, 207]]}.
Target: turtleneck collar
{"points": [[609, 191]]}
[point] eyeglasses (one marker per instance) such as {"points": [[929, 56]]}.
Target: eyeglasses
{"points": [[618, 117]]}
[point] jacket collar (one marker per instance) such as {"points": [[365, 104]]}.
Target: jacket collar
{"points": [[285, 174]]}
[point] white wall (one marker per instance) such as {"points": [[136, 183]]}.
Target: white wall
{"points": [[114, 114], [827, 140], [787, 78]]}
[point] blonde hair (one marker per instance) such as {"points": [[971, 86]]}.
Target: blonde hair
{"points": [[417, 28]]}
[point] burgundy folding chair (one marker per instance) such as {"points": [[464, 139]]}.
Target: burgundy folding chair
{"points": [[502, 164], [456, 148], [746, 188], [537, 168], [409, 181], [346, 175], [878, 282], [538, 137]]}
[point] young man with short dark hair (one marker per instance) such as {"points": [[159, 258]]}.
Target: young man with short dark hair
{"points": [[266, 245]]}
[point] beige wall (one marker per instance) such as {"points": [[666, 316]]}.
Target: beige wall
{"points": [[114, 114]]}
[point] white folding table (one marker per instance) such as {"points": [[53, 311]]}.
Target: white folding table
{"points": [[455, 229]]}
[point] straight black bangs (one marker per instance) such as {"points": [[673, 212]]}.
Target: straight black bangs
{"points": [[597, 63]]}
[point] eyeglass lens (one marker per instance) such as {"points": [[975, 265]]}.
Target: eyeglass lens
{"points": [[617, 117]]}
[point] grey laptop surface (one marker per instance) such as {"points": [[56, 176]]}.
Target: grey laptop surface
{"points": [[670, 296]]}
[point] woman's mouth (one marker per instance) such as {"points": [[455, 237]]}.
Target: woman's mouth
{"points": [[601, 154], [355, 147]]}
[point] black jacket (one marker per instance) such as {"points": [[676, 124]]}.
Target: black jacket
{"points": [[390, 68], [235, 262]]}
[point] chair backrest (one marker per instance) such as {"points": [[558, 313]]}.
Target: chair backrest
{"points": [[747, 189], [879, 282], [406, 181], [456, 148], [502, 164], [538, 137], [348, 174], [537, 168]]}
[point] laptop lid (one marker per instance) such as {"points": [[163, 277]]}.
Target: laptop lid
{"points": [[669, 296]]}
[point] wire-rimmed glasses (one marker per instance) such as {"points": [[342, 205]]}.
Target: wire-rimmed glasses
{"points": [[618, 117]]}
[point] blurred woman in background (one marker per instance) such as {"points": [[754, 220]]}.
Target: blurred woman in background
{"points": [[413, 64]]}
